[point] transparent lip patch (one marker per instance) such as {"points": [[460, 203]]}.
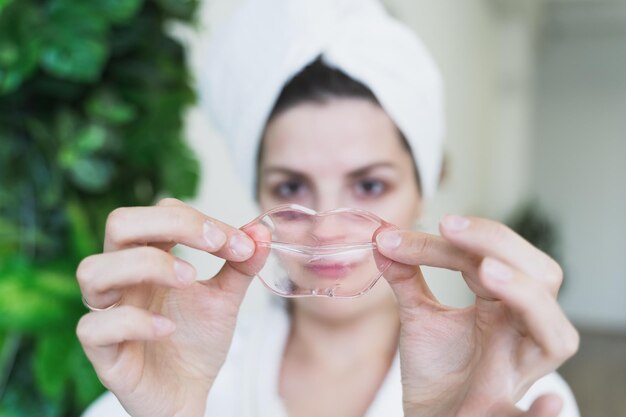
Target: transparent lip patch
{"points": [[329, 254]]}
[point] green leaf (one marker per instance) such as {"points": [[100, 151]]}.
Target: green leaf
{"points": [[4, 3], [25, 308], [52, 362], [91, 174], [107, 106], [9, 232], [10, 80], [59, 282], [92, 97], [19, 48], [91, 139], [34, 299], [66, 125], [9, 53], [181, 9], [73, 58], [180, 171], [80, 17], [82, 238], [118, 11], [85, 381]]}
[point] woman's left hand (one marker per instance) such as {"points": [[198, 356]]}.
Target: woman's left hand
{"points": [[477, 361]]}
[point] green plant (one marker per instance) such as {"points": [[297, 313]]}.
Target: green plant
{"points": [[92, 95]]}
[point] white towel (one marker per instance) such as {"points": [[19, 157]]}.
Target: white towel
{"points": [[267, 42]]}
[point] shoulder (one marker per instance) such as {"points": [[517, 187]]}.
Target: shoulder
{"points": [[552, 383], [106, 405]]}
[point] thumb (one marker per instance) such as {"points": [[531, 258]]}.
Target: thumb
{"points": [[409, 285], [234, 278]]}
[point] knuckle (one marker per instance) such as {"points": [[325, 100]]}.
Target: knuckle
{"points": [[571, 343], [151, 261], [419, 244], [148, 255], [552, 349], [554, 273], [564, 345], [84, 330], [86, 270], [178, 216], [179, 220], [497, 232], [169, 201], [116, 223], [134, 319]]}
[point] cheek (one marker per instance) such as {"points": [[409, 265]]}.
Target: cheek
{"points": [[264, 199], [402, 208]]}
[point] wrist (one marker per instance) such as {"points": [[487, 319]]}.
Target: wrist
{"points": [[431, 409], [193, 402]]}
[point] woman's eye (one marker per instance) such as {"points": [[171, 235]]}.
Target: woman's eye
{"points": [[370, 187], [289, 189]]}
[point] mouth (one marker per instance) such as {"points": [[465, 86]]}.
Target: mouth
{"points": [[331, 270]]}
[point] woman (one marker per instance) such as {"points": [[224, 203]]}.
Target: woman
{"points": [[348, 117]]}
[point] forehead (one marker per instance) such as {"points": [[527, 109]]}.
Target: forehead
{"points": [[341, 134]]}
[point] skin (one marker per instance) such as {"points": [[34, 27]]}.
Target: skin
{"points": [[160, 350]]}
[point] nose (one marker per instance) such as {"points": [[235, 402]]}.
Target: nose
{"points": [[328, 198], [329, 229]]}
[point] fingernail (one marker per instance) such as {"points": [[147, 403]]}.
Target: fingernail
{"points": [[213, 236], [389, 240], [497, 271], [185, 272], [241, 245], [455, 223], [162, 325]]}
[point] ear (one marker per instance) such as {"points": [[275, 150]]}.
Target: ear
{"points": [[445, 165]]}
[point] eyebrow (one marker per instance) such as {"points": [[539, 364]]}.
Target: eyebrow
{"points": [[352, 174]]}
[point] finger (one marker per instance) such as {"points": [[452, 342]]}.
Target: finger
{"points": [[101, 333], [535, 308], [234, 278], [418, 248], [102, 277], [409, 287], [489, 238], [168, 225]]}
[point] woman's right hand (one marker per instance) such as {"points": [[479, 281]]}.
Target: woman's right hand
{"points": [[160, 350]]}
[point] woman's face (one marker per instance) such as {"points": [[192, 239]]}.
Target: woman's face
{"points": [[343, 153]]}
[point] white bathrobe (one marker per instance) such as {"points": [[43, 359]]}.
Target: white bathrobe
{"points": [[247, 385]]}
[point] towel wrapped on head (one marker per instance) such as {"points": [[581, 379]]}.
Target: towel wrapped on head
{"points": [[267, 42]]}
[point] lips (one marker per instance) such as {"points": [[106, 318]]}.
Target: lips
{"points": [[330, 270]]}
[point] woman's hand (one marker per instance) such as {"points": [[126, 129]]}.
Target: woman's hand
{"points": [[160, 350], [477, 361]]}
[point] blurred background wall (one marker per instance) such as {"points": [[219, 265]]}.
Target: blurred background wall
{"points": [[536, 100], [579, 166]]}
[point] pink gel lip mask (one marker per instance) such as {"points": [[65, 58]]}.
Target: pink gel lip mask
{"points": [[329, 254]]}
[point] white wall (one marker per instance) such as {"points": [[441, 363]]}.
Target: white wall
{"points": [[580, 155], [464, 37]]}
